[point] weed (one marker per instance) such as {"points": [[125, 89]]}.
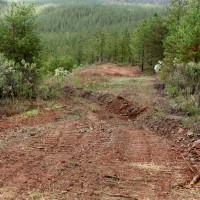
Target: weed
{"points": [[72, 163], [31, 113], [54, 105], [36, 196]]}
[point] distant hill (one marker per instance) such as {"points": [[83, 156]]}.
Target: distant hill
{"points": [[2, 4], [98, 1], [138, 1]]}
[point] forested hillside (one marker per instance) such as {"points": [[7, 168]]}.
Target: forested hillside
{"points": [[138, 1], [89, 18], [88, 34], [2, 3], [100, 1]]}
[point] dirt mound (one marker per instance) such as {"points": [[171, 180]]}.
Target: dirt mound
{"points": [[115, 104], [121, 106], [111, 70], [172, 129]]}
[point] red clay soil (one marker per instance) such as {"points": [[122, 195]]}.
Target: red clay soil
{"points": [[18, 121], [111, 70], [90, 158], [82, 153]]}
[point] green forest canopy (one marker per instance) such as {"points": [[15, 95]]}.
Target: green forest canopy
{"points": [[97, 1], [91, 33]]}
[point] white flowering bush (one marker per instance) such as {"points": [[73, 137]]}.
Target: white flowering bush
{"points": [[16, 80], [8, 77], [52, 86], [61, 72], [158, 66]]}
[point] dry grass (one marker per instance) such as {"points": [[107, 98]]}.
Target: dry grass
{"points": [[149, 166], [187, 194], [7, 193]]}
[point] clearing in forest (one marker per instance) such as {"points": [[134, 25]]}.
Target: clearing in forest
{"points": [[87, 147]]}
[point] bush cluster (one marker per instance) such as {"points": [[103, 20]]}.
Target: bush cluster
{"points": [[17, 79], [184, 85]]}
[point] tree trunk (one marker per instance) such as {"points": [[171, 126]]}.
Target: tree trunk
{"points": [[142, 66]]}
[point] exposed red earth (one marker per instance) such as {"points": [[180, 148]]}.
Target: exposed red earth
{"points": [[90, 149], [111, 70]]}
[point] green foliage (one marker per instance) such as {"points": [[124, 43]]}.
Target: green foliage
{"points": [[184, 84], [56, 62], [20, 47], [182, 41], [8, 77], [172, 90], [182, 54], [31, 113], [51, 87], [90, 33], [18, 40], [85, 18], [147, 43], [16, 80], [188, 46], [186, 105], [101, 1]]}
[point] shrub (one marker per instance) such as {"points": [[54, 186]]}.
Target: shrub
{"points": [[172, 90], [21, 49], [183, 76], [51, 87], [16, 80], [183, 82], [189, 105], [53, 63], [61, 72], [8, 77]]}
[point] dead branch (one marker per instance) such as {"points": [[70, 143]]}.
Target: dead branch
{"points": [[112, 177], [192, 169], [195, 180]]}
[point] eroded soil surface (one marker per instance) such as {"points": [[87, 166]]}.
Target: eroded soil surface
{"points": [[111, 70], [90, 149]]}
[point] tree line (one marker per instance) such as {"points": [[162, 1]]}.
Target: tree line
{"points": [[85, 34]]}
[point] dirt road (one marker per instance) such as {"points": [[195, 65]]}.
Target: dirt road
{"points": [[86, 151]]}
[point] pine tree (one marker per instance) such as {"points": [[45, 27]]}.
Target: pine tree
{"points": [[18, 40], [20, 43]]}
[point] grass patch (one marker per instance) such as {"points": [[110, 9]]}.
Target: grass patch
{"points": [[10, 107], [187, 194], [43, 196], [7, 193], [36, 196], [31, 113], [54, 106], [72, 163]]}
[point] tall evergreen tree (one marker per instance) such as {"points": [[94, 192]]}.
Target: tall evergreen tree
{"points": [[147, 43], [18, 39]]}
